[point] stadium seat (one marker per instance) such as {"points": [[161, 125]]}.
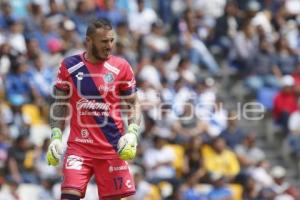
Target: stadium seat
{"points": [[265, 96]]}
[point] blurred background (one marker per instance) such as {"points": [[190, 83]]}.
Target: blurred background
{"points": [[218, 81]]}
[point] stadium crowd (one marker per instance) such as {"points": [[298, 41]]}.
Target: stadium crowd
{"points": [[192, 146]]}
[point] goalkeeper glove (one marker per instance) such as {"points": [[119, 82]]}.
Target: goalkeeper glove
{"points": [[55, 149], [127, 143]]}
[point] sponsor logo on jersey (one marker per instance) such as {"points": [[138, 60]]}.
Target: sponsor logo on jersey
{"points": [[117, 168], [84, 104], [84, 140], [106, 88], [84, 133], [79, 76], [128, 184], [84, 137], [74, 162]]}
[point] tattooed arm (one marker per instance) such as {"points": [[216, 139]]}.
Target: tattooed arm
{"points": [[58, 114], [134, 115], [59, 109]]}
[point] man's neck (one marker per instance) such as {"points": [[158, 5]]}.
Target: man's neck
{"points": [[90, 58]]}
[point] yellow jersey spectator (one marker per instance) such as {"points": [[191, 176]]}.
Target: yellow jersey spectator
{"points": [[217, 158]]}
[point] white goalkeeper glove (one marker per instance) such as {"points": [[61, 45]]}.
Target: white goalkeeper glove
{"points": [[127, 144], [55, 149]]}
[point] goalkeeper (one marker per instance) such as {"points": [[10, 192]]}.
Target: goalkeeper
{"points": [[92, 87]]}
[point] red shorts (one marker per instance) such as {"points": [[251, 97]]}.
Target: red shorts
{"points": [[112, 176]]}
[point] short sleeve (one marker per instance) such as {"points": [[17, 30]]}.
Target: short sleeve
{"points": [[127, 82], [62, 80]]}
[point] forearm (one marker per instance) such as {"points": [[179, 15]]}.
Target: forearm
{"points": [[59, 110], [135, 112]]}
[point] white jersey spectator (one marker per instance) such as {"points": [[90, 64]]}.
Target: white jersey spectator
{"points": [[140, 20]]}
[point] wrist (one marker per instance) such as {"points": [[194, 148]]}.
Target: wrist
{"points": [[56, 134], [134, 129]]}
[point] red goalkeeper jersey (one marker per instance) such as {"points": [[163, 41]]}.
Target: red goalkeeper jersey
{"points": [[95, 104]]}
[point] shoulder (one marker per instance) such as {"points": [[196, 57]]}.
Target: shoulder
{"points": [[117, 64], [118, 61], [70, 61]]}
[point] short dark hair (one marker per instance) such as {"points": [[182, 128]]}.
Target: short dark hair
{"points": [[99, 23]]}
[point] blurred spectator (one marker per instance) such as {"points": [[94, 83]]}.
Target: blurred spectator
{"points": [[180, 95], [260, 173], [296, 76], [215, 118], [205, 96], [21, 162], [248, 153], [41, 78], [33, 20], [226, 27], [150, 72], [190, 40], [285, 58], [251, 190], [165, 121], [186, 70], [4, 146], [70, 40], [84, 13], [217, 158], [45, 192], [140, 20], [15, 37], [5, 58], [262, 71], [18, 89], [56, 12], [189, 190], [128, 43], [219, 190], [245, 46], [285, 102], [280, 186], [194, 158], [11, 192], [233, 134], [164, 11], [158, 161], [45, 34], [6, 15], [111, 12], [42, 168], [149, 98], [294, 131], [156, 41], [188, 125], [144, 189]]}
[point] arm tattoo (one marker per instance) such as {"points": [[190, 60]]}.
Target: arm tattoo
{"points": [[59, 109], [135, 113]]}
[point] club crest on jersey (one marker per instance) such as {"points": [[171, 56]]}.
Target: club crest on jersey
{"points": [[79, 76], [108, 78]]}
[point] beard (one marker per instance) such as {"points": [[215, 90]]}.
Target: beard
{"points": [[95, 53]]}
